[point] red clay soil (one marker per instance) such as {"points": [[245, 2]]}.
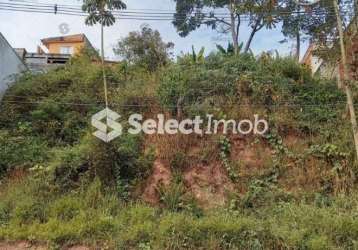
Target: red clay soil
{"points": [[252, 159], [21, 245], [79, 248], [161, 175], [252, 155], [209, 184]]}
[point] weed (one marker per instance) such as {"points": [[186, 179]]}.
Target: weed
{"points": [[225, 151]]}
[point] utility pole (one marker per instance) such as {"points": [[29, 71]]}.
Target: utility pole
{"points": [[298, 45], [345, 79]]}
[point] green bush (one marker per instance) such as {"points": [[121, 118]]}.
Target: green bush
{"points": [[29, 211], [172, 196], [277, 86], [21, 151], [182, 86], [66, 208], [79, 189]]}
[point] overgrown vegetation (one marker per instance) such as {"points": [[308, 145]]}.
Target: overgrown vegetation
{"points": [[63, 186]]}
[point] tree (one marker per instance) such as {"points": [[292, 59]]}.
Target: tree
{"points": [[302, 21], [347, 88], [320, 23], [293, 23], [100, 11], [145, 48], [191, 14]]}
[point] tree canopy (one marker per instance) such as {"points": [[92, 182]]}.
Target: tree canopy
{"points": [[225, 16], [100, 11], [144, 47]]}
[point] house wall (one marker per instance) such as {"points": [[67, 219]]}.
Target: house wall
{"points": [[335, 71], [40, 63], [328, 70], [54, 47], [10, 64], [315, 63], [311, 61]]}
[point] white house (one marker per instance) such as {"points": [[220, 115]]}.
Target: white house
{"points": [[10, 65]]}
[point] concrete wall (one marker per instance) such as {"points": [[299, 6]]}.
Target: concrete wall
{"points": [[41, 63], [10, 64]]}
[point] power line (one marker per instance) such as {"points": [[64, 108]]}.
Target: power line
{"points": [[282, 104], [140, 97], [141, 14], [128, 17], [79, 6], [137, 17], [161, 11]]}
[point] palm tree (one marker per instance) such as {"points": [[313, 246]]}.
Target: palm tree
{"points": [[100, 11]]}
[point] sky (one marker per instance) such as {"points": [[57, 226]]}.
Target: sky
{"points": [[25, 30]]}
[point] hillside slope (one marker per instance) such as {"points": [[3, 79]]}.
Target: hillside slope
{"points": [[291, 188]]}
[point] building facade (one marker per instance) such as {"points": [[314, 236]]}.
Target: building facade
{"points": [[10, 65], [68, 45], [54, 52], [334, 70]]}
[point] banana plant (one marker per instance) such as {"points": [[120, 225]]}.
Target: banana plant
{"points": [[230, 51], [198, 58]]}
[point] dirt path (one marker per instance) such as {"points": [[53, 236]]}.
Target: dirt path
{"points": [[24, 245]]}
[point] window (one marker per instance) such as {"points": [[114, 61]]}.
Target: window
{"points": [[66, 50]]}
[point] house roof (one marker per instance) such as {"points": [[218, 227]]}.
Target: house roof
{"points": [[70, 38]]}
